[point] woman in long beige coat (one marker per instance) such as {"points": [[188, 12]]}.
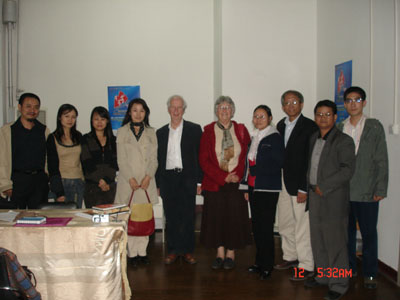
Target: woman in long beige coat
{"points": [[137, 162]]}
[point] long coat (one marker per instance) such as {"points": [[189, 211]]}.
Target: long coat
{"points": [[136, 159]]}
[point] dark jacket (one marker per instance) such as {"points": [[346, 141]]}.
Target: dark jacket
{"points": [[296, 154], [190, 143], [269, 162], [98, 162]]}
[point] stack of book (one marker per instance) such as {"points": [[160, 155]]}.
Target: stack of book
{"points": [[110, 209], [31, 220]]}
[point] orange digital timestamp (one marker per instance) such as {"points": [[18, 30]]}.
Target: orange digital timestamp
{"points": [[325, 272]]}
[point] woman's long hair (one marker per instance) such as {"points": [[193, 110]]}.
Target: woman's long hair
{"points": [[127, 117], [59, 132], [103, 113]]}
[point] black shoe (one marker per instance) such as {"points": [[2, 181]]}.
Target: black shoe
{"points": [[370, 283], [312, 283], [332, 295], [229, 263], [254, 269], [133, 261], [217, 264], [265, 274], [144, 260]]}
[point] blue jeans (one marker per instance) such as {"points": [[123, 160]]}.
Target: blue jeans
{"points": [[73, 189], [366, 213]]}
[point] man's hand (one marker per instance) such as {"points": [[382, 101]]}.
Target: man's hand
{"points": [[301, 197], [198, 190], [60, 199], [378, 198], [103, 185], [318, 191], [8, 193], [246, 196]]}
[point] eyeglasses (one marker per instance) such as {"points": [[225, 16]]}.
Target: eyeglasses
{"points": [[225, 107], [291, 103], [259, 117], [327, 115], [348, 101]]}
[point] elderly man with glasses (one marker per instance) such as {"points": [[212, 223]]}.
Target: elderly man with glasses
{"points": [[293, 220]]}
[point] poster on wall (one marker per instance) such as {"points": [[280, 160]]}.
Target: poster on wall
{"points": [[343, 77], [118, 100]]}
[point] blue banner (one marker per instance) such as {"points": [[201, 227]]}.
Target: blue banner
{"points": [[343, 78], [118, 100]]}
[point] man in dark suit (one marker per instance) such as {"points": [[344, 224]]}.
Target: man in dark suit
{"points": [[293, 219], [331, 166], [178, 179]]}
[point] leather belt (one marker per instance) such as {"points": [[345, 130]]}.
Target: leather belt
{"points": [[28, 172], [176, 170]]}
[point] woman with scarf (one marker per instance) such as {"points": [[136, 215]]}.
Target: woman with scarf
{"points": [[225, 220], [137, 162]]}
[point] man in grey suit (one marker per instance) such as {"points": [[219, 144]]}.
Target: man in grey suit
{"points": [[331, 166]]}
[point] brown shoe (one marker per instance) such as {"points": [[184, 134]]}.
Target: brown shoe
{"points": [[170, 259], [287, 265], [189, 258], [300, 274]]}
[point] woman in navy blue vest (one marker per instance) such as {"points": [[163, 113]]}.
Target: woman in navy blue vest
{"points": [[264, 164]]}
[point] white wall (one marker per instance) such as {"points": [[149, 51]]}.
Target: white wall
{"points": [[268, 47], [344, 34], [70, 51], [2, 73]]}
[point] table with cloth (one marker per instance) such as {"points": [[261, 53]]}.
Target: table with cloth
{"points": [[83, 260]]}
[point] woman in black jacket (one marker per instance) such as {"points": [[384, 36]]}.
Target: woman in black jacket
{"points": [[264, 162], [99, 159]]}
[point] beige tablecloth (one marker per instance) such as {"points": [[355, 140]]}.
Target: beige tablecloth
{"points": [[82, 260]]}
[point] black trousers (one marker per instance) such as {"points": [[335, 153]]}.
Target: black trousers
{"points": [[29, 190], [263, 209], [179, 201]]}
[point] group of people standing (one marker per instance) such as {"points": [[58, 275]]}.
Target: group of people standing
{"points": [[320, 179]]}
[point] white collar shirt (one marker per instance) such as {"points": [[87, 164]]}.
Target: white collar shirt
{"points": [[289, 128], [174, 156], [355, 131]]}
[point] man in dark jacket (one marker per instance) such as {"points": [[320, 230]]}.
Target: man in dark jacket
{"points": [[178, 179], [293, 219]]}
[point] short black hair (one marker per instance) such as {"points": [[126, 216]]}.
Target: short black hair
{"points": [[27, 95], [355, 89], [265, 108], [327, 103]]}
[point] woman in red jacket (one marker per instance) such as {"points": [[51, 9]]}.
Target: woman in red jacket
{"points": [[225, 222]]}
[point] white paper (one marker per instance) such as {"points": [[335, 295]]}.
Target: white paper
{"points": [[8, 216]]}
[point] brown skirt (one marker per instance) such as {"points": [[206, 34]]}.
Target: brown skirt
{"points": [[225, 219]]}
